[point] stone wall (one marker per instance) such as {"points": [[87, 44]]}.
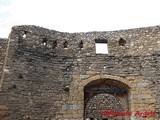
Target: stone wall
{"points": [[46, 71], [3, 49]]}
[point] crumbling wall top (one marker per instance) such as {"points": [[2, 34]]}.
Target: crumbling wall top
{"points": [[138, 41]]}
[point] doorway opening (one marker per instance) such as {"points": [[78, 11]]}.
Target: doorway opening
{"points": [[103, 98]]}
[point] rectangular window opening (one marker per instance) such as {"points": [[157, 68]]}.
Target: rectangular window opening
{"points": [[101, 47]]}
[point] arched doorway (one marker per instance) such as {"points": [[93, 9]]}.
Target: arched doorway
{"points": [[101, 97]]}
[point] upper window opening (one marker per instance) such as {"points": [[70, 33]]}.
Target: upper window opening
{"points": [[44, 41], [25, 34], [54, 44], [121, 42], [101, 46], [81, 44], [65, 44]]}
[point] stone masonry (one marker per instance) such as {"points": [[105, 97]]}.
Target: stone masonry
{"points": [[44, 72]]}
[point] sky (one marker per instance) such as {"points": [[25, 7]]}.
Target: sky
{"points": [[79, 15]]}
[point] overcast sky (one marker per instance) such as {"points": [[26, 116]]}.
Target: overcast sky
{"points": [[79, 15]]}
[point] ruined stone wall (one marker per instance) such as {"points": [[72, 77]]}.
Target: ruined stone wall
{"points": [[3, 49], [41, 63]]}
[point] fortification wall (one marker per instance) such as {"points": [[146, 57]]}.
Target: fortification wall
{"points": [[142, 41], [3, 49], [42, 64]]}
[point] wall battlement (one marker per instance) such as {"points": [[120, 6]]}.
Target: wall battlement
{"points": [[45, 74], [142, 41]]}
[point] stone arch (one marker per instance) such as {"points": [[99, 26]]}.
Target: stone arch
{"points": [[140, 98], [98, 77], [104, 94], [107, 86]]}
